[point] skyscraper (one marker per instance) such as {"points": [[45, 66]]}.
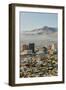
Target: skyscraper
{"points": [[31, 47]]}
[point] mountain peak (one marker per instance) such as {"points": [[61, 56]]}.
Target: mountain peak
{"points": [[45, 27], [46, 30]]}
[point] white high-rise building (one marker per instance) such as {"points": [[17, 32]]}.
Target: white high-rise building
{"points": [[53, 47]]}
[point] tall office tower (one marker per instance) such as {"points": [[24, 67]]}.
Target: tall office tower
{"points": [[31, 47]]}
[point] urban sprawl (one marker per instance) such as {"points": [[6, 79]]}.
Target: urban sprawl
{"points": [[38, 62]]}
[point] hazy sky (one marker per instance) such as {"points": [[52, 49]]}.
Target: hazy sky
{"points": [[32, 20]]}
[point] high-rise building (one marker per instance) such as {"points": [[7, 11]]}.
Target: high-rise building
{"points": [[52, 46], [45, 50], [31, 47]]}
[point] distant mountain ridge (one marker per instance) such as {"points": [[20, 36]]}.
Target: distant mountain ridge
{"points": [[41, 36], [45, 29]]}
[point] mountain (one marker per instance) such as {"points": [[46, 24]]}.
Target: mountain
{"points": [[41, 36], [45, 29]]}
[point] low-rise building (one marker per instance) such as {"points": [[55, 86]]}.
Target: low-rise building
{"points": [[26, 52], [25, 47]]}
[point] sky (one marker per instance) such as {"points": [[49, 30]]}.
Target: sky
{"points": [[32, 20]]}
